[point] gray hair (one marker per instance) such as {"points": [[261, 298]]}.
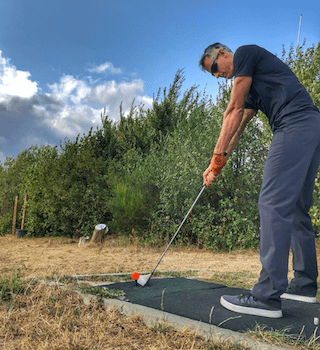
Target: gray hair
{"points": [[212, 51]]}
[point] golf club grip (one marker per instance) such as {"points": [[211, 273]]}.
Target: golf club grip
{"points": [[174, 236]]}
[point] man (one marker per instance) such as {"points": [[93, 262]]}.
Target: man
{"points": [[263, 82]]}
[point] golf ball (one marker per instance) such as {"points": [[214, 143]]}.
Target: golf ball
{"points": [[135, 276]]}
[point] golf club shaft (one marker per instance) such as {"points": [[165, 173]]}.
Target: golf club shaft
{"points": [[174, 236]]}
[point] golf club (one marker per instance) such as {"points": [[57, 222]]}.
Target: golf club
{"points": [[144, 279]]}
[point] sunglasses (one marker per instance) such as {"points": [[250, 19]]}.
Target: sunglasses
{"points": [[214, 67]]}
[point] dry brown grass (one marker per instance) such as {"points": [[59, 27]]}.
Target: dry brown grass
{"points": [[43, 317], [50, 318], [45, 256]]}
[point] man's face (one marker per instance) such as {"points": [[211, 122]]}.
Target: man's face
{"points": [[224, 63]]}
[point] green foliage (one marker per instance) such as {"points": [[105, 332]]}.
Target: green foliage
{"points": [[306, 65], [11, 185], [133, 132], [38, 180], [66, 191], [182, 160], [104, 141], [226, 228], [128, 208]]}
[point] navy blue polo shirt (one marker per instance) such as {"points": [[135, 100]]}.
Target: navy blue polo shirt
{"points": [[275, 89]]}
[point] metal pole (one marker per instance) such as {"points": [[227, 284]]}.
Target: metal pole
{"points": [[299, 33], [174, 236]]}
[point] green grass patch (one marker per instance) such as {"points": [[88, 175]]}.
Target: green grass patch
{"points": [[11, 283]]}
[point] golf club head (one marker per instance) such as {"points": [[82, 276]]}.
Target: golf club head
{"points": [[143, 279]]}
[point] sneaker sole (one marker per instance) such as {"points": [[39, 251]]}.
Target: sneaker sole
{"points": [[250, 310], [299, 298]]}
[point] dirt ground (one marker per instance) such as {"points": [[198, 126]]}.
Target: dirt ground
{"points": [[48, 256]]}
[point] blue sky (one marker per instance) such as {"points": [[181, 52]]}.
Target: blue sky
{"points": [[62, 62]]}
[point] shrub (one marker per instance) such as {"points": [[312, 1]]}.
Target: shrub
{"points": [[67, 192]]}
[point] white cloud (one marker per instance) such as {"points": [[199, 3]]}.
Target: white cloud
{"points": [[69, 87], [74, 120], [15, 82], [70, 107], [108, 66], [107, 92], [112, 94], [80, 115], [145, 100]]}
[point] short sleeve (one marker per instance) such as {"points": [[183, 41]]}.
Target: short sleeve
{"points": [[244, 61]]}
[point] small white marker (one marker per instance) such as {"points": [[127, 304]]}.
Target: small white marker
{"points": [[316, 321]]}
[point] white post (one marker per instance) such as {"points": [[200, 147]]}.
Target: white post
{"points": [[299, 33]]}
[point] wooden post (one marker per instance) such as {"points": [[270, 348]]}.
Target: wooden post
{"points": [[15, 216], [99, 233], [24, 210]]}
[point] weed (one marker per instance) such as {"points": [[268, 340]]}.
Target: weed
{"points": [[161, 328], [102, 292], [283, 337], [162, 298], [12, 284]]}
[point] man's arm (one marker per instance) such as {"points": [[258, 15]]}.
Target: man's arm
{"points": [[247, 116], [234, 121], [234, 113]]}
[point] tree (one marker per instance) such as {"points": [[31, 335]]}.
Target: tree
{"points": [[67, 191], [306, 65], [11, 185]]}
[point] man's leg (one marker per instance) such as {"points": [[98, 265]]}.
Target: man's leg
{"points": [[291, 154], [284, 202], [276, 220], [304, 285]]}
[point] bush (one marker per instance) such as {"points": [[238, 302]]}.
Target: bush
{"points": [[227, 229], [176, 168], [11, 185], [128, 209], [67, 192]]}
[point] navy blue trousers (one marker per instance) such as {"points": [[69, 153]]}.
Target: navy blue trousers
{"points": [[285, 199]]}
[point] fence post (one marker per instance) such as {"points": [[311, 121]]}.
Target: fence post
{"points": [[15, 216], [24, 210]]}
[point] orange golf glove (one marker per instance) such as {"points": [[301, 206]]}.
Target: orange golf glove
{"points": [[218, 161]]}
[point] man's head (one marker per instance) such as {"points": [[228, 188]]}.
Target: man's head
{"points": [[217, 59]]}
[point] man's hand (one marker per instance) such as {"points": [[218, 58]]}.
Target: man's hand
{"points": [[218, 161], [208, 177]]}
